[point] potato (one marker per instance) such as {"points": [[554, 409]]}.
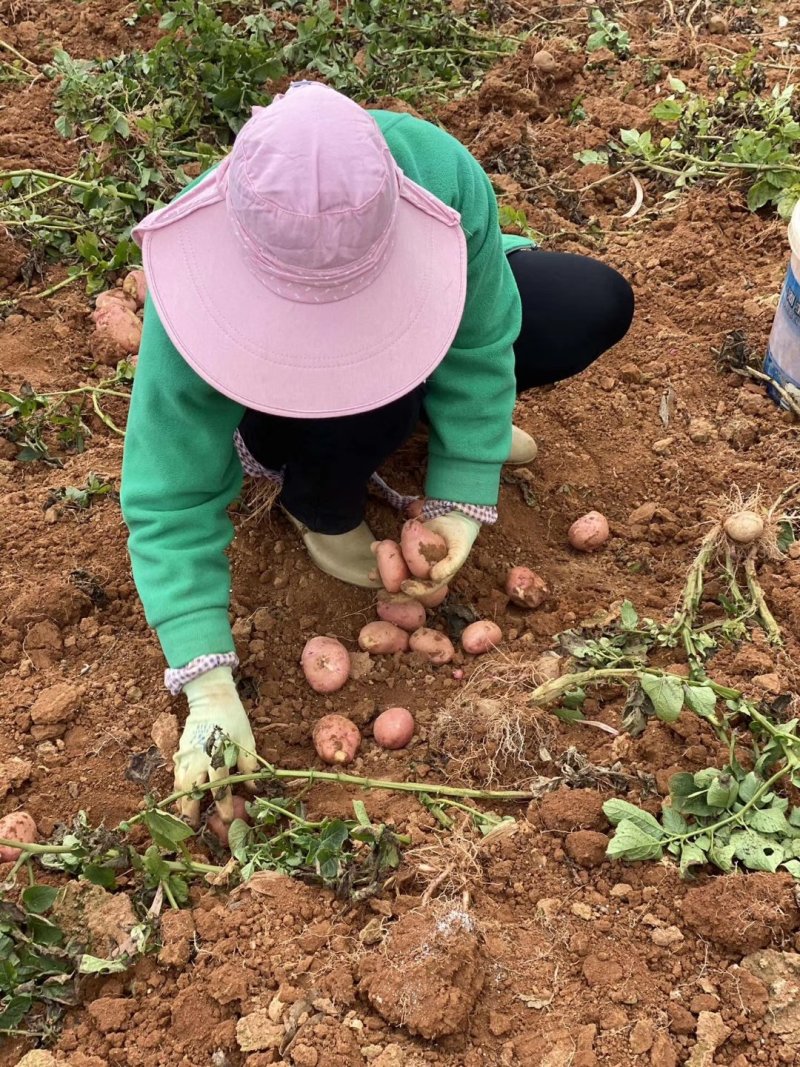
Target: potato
{"points": [[18, 826], [547, 667], [326, 664], [480, 637], [435, 646], [219, 828], [393, 728], [120, 326], [525, 588], [382, 639], [409, 616], [421, 548], [135, 287], [114, 296], [336, 739], [392, 567], [589, 532], [744, 527], [435, 598]]}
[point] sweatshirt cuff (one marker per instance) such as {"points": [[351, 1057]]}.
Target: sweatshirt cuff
{"points": [[462, 480], [200, 633], [175, 678], [482, 513]]}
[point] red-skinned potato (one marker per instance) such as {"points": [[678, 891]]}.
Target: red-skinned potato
{"points": [[114, 296], [392, 568], [219, 828], [382, 639], [135, 286], [393, 728], [434, 599], [435, 646], [326, 664], [120, 326], [336, 739], [421, 548], [408, 616], [525, 588], [589, 532], [480, 637], [18, 826]]}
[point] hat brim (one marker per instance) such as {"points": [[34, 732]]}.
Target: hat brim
{"points": [[306, 360]]}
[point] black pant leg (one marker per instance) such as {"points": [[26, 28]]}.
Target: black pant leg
{"points": [[327, 463], [573, 309]]}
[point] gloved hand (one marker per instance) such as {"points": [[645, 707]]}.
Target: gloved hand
{"points": [[213, 701], [460, 532]]}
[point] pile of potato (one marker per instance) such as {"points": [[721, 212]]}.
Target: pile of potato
{"points": [[117, 320]]}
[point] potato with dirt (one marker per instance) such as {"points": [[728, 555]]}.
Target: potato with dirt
{"points": [[421, 548], [589, 532], [18, 826], [336, 739], [392, 568], [436, 647], [480, 637], [393, 728], [382, 639], [526, 588], [408, 615], [326, 664], [118, 330]]}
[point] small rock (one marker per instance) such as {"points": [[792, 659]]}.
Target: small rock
{"points": [[681, 1021], [662, 1054], [664, 938], [613, 1018], [779, 972], [165, 734], [701, 431], [622, 890], [717, 24], [582, 911], [642, 1036], [14, 772], [57, 704], [257, 1033], [771, 683], [643, 515], [711, 1033], [38, 1058], [704, 1002], [663, 445], [587, 848], [632, 373]]}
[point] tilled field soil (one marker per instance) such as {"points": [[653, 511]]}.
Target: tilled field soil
{"points": [[530, 949]]}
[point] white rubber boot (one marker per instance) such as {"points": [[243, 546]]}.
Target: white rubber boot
{"points": [[523, 448], [346, 556]]}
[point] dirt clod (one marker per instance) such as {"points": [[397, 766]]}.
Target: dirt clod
{"points": [[569, 809], [586, 847], [743, 914]]}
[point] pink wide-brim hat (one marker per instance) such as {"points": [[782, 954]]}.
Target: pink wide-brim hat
{"points": [[306, 275]]}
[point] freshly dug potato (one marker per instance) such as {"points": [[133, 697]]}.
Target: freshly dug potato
{"points": [[434, 599], [437, 647], [326, 664], [392, 568], [119, 325], [744, 527], [135, 286], [336, 739], [409, 616], [589, 532], [114, 296], [382, 639], [481, 636], [393, 728], [18, 826], [421, 548], [525, 588], [219, 828]]}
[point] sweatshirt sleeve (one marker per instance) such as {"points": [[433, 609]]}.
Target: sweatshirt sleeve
{"points": [[180, 472], [471, 395]]}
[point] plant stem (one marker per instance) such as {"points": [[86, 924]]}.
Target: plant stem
{"points": [[59, 285], [10, 48], [734, 816], [36, 850], [62, 179], [757, 593]]}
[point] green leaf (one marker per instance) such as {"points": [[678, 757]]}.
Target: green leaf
{"points": [[94, 965], [667, 110], [721, 855], [794, 817], [676, 85], [749, 786], [757, 853], [666, 693], [631, 842], [628, 615], [592, 156], [759, 194], [37, 899], [360, 809], [166, 830], [616, 810], [722, 792], [702, 700], [629, 137], [786, 537], [14, 1012], [767, 821], [691, 856], [672, 821], [238, 833], [793, 867], [44, 932]]}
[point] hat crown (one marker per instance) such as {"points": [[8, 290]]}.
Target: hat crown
{"points": [[311, 183]]}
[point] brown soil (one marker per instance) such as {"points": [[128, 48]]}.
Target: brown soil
{"points": [[559, 956]]}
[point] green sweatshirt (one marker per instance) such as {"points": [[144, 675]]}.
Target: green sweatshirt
{"points": [[180, 469]]}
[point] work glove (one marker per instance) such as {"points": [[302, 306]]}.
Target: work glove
{"points": [[213, 702], [460, 532]]}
